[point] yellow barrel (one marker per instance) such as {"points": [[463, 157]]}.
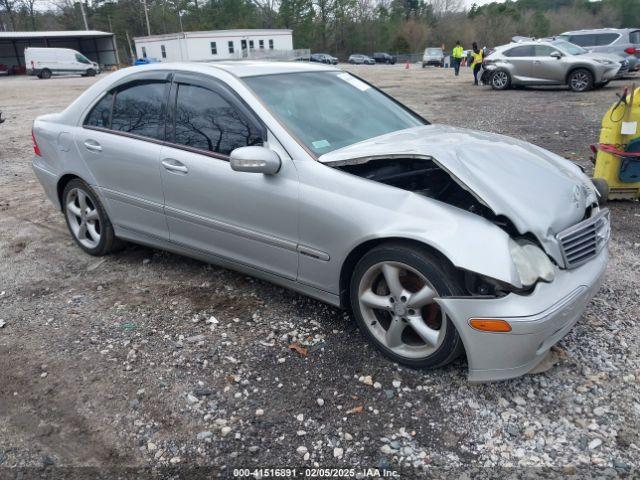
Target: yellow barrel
{"points": [[618, 117]]}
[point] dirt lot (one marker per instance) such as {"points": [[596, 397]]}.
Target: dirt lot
{"points": [[117, 363]]}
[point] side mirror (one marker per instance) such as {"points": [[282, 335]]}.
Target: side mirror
{"points": [[556, 55], [255, 159]]}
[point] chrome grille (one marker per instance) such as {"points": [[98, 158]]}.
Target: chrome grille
{"points": [[585, 240]]}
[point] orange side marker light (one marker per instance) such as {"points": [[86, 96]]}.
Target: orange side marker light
{"points": [[490, 325]]}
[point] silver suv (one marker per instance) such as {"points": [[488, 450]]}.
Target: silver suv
{"points": [[553, 62], [621, 41]]}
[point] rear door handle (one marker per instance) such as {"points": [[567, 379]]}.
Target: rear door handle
{"points": [[92, 146], [174, 165]]}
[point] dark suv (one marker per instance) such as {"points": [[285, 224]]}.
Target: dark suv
{"points": [[382, 57]]}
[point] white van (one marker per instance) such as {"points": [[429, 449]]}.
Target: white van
{"points": [[45, 62]]}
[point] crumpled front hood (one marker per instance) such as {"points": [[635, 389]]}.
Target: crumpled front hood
{"points": [[540, 192]]}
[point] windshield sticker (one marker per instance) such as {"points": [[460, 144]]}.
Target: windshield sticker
{"points": [[353, 81], [320, 144]]}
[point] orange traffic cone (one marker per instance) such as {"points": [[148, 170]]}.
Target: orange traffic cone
{"points": [[406, 66]]}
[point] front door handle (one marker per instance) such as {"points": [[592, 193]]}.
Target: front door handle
{"points": [[174, 165], [92, 146]]}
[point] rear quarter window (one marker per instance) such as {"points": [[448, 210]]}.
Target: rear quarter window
{"points": [[100, 115], [606, 38]]}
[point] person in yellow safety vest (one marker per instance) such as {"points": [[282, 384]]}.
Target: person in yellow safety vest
{"points": [[476, 64], [458, 53]]}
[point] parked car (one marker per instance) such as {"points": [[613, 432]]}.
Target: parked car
{"points": [[439, 239], [433, 56], [621, 41], [145, 61], [381, 57], [45, 62], [554, 62], [359, 59], [323, 58]]}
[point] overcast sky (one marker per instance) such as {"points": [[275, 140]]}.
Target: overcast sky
{"points": [[480, 2]]}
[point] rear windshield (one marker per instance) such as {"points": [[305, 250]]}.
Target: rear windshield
{"points": [[634, 37]]}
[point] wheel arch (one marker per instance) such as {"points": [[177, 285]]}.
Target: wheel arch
{"points": [[354, 256], [579, 67], [62, 183]]}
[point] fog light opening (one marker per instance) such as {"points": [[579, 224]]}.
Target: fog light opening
{"points": [[490, 325]]}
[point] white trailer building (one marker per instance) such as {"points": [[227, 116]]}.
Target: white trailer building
{"points": [[215, 45]]}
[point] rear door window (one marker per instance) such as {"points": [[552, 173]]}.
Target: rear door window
{"points": [[205, 120], [522, 51], [583, 40], [543, 50], [139, 109]]}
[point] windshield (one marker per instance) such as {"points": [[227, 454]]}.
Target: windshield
{"points": [[330, 110], [570, 48], [434, 51]]}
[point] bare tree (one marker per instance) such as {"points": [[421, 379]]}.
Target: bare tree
{"points": [[30, 7], [268, 10], [443, 7], [10, 6]]}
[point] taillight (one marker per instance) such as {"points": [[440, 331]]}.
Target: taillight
{"points": [[36, 148], [631, 50]]}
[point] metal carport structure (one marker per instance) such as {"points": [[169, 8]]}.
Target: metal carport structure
{"points": [[98, 46]]}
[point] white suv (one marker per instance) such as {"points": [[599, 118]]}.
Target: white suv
{"points": [[621, 41]]}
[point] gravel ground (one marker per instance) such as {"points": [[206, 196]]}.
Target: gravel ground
{"points": [[147, 360]]}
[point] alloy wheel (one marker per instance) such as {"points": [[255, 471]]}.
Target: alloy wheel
{"points": [[579, 81], [500, 79], [83, 217], [398, 307]]}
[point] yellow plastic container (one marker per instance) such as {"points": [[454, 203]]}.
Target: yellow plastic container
{"points": [[617, 125]]}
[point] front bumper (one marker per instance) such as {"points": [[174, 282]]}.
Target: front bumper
{"points": [[610, 73], [538, 321]]}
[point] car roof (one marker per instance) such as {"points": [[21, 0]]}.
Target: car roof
{"points": [[599, 30], [243, 68]]}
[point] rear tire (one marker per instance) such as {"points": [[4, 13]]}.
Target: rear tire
{"points": [[500, 80], [87, 219], [45, 74], [392, 293], [580, 80]]}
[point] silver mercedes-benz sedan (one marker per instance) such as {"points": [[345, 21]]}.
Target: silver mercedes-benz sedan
{"points": [[440, 240]]}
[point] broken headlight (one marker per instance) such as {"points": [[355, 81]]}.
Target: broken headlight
{"points": [[531, 262]]}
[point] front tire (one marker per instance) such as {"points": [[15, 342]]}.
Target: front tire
{"points": [[91, 72], [500, 80], [87, 219], [392, 294], [580, 80]]}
